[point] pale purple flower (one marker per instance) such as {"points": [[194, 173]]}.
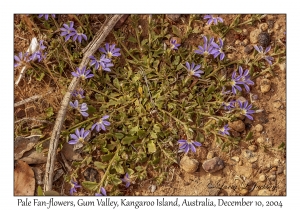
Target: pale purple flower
{"points": [[21, 59], [224, 131], [186, 145], [110, 50], [234, 83], [103, 192], [79, 36], [82, 73], [207, 48], [126, 180], [82, 109], [103, 63], [260, 50], [218, 49], [246, 110], [38, 55], [213, 19], [100, 125], [244, 79], [46, 16], [79, 136], [173, 44], [68, 31], [74, 186], [41, 45], [78, 93], [193, 70], [228, 105]]}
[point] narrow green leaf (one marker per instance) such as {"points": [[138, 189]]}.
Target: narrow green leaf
{"points": [[107, 157], [100, 165], [40, 191], [249, 136], [119, 135], [92, 186], [128, 139]]}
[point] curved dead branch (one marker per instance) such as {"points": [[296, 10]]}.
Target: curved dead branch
{"points": [[88, 51]]}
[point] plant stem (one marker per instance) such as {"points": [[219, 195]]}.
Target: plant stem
{"points": [[108, 168]]}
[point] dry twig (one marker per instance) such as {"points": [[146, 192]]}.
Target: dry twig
{"points": [[88, 51]]}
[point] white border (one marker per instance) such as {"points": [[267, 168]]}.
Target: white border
{"points": [[8, 8]]}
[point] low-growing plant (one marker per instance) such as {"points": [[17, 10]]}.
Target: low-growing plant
{"points": [[145, 98]]}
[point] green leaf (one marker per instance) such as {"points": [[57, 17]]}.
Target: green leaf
{"points": [[249, 136], [211, 89], [91, 110], [153, 135], [141, 134], [119, 168], [40, 191], [116, 181], [128, 139], [238, 30], [156, 128], [132, 39], [49, 112], [51, 193], [176, 31], [107, 157], [100, 165], [151, 147], [92, 186], [116, 83], [40, 77], [119, 135]]}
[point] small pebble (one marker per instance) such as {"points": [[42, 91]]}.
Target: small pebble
{"points": [[245, 32], [237, 42], [235, 158], [277, 104], [265, 85], [240, 163], [263, 26], [272, 177], [238, 125], [189, 165], [244, 192], [264, 192], [253, 148], [259, 127], [245, 42], [248, 49], [264, 39], [280, 170], [254, 36], [282, 66], [276, 162], [254, 165], [253, 159], [213, 165], [262, 178], [173, 17], [247, 154], [210, 155]]}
